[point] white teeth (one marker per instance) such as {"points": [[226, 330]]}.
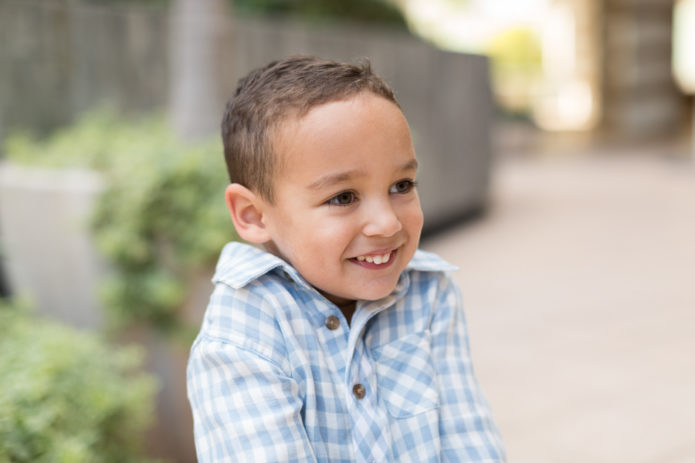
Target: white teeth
{"points": [[375, 259]]}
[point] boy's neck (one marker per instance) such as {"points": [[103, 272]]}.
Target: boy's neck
{"points": [[348, 309]]}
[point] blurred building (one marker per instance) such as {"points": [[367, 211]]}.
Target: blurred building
{"points": [[570, 64], [609, 66]]}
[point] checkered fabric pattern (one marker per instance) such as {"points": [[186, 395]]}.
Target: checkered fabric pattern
{"points": [[269, 380]]}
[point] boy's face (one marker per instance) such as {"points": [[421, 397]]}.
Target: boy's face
{"points": [[346, 213]]}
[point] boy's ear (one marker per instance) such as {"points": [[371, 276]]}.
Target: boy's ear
{"points": [[246, 209]]}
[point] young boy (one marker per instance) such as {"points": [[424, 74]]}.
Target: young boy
{"points": [[339, 341]]}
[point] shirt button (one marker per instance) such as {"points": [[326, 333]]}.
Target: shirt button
{"points": [[332, 322], [358, 391]]}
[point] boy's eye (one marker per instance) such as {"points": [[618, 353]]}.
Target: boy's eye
{"points": [[402, 187], [343, 199]]}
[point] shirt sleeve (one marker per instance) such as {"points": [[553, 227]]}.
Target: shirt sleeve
{"points": [[245, 407], [467, 429]]}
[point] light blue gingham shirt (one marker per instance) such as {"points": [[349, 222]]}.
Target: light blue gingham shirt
{"points": [[269, 380]]}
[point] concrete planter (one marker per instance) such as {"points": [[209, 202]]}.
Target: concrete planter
{"points": [[50, 256], [47, 250]]}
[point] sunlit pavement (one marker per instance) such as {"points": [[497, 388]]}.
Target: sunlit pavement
{"points": [[579, 287]]}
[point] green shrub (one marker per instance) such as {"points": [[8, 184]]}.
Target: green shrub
{"points": [[66, 396], [84, 144], [161, 217]]}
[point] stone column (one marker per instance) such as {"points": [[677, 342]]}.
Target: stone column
{"points": [[640, 96], [197, 31]]}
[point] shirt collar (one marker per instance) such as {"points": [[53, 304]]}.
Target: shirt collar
{"points": [[429, 262], [240, 264]]}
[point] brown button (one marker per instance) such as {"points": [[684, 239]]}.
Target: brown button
{"points": [[359, 391], [332, 322]]}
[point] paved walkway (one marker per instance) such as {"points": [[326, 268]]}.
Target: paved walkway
{"points": [[579, 286]]}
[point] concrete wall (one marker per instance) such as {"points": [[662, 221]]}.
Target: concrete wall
{"points": [[61, 59]]}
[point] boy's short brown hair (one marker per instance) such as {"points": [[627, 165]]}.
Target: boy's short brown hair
{"points": [[268, 95]]}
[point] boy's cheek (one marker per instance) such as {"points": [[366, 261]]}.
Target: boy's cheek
{"points": [[417, 218]]}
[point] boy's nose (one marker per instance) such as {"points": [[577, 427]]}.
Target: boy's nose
{"points": [[382, 220]]}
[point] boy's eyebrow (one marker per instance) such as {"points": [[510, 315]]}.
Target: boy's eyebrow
{"points": [[332, 179], [410, 165]]}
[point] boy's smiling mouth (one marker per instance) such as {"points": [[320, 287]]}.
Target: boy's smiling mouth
{"points": [[375, 260]]}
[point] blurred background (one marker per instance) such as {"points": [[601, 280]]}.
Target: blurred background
{"points": [[558, 172]]}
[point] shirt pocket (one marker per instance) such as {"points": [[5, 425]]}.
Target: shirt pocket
{"points": [[406, 380]]}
